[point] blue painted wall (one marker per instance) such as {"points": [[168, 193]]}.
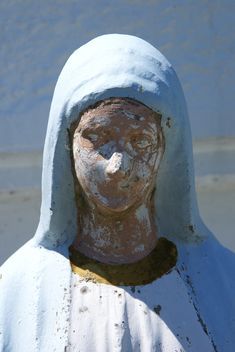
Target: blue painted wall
{"points": [[198, 37]]}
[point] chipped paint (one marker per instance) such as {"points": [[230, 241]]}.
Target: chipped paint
{"points": [[115, 175]]}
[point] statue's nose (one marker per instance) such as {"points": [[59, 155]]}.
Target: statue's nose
{"points": [[119, 164]]}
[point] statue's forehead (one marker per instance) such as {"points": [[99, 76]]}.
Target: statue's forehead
{"points": [[119, 111]]}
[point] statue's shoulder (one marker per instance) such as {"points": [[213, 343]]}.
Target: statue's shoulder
{"points": [[33, 280], [28, 262], [17, 267]]}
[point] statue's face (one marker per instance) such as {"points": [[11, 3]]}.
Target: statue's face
{"points": [[117, 148]]}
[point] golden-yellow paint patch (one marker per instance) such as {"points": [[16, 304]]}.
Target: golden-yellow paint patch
{"points": [[159, 262]]}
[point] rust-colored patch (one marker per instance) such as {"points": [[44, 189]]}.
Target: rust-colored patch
{"points": [[159, 262]]}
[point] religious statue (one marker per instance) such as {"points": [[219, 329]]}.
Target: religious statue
{"points": [[121, 260]]}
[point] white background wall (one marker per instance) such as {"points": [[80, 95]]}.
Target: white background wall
{"points": [[37, 37]]}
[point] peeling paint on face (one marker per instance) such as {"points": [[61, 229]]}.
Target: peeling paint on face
{"points": [[107, 166], [131, 115], [117, 149]]}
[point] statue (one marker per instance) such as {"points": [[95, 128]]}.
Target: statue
{"points": [[121, 260]]}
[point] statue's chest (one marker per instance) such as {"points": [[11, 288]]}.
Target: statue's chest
{"points": [[156, 317]]}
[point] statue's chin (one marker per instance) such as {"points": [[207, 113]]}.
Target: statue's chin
{"points": [[117, 204]]}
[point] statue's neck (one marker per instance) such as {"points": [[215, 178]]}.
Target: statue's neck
{"points": [[116, 239]]}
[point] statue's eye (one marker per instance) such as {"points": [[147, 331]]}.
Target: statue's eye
{"points": [[98, 139], [92, 137], [141, 142]]}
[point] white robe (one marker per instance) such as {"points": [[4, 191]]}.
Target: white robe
{"points": [[45, 307], [152, 318]]}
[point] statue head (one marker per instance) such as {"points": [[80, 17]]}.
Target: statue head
{"points": [[120, 67], [117, 147]]}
